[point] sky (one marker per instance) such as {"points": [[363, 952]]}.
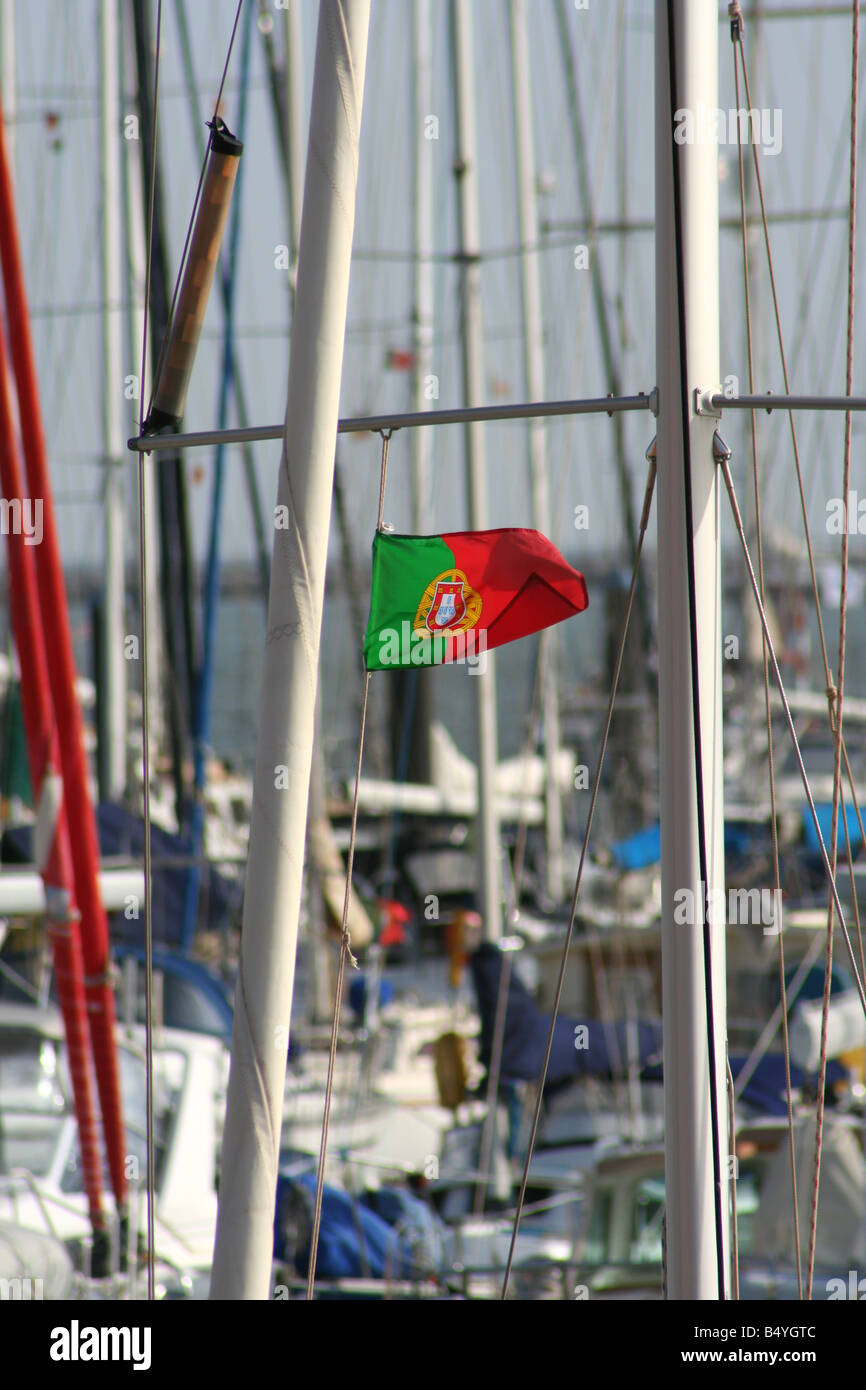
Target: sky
{"points": [[800, 74]]}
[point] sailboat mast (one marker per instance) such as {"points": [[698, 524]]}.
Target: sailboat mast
{"points": [[320, 993], [533, 356], [422, 72], [112, 750], [294, 79], [690, 649], [245, 1226], [135, 286], [54, 612], [466, 170]]}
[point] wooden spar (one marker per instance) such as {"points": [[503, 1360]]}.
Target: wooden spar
{"points": [[173, 531], [61, 674], [245, 1225]]}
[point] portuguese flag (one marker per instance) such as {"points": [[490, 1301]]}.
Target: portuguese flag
{"points": [[448, 598]]}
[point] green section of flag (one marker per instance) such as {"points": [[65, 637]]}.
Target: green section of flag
{"points": [[403, 566]]}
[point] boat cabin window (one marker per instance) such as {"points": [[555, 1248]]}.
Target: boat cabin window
{"points": [[169, 1070], [595, 1241], [32, 1111], [748, 1197], [646, 1238]]}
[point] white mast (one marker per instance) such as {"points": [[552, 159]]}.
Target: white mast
{"points": [[135, 277], [423, 344], [294, 38], [320, 985], [244, 1239], [689, 1172], [112, 752], [466, 168], [533, 357]]}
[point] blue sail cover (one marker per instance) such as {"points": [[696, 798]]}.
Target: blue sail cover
{"points": [[371, 1235], [602, 1051], [121, 834], [581, 1046]]}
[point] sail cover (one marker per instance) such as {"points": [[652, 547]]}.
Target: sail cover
{"points": [[581, 1047]]}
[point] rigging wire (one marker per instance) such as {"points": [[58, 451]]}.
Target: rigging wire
{"points": [[573, 911], [145, 711], [830, 687], [759, 184], [736, 31], [843, 607], [738, 522], [345, 940]]}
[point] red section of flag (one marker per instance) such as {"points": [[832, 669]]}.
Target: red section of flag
{"points": [[523, 581]]}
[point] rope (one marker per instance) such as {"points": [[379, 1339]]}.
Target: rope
{"points": [[345, 941], [145, 704], [573, 913], [843, 609], [736, 32]]}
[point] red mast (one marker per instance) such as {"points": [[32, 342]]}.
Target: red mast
{"points": [[61, 675], [51, 839]]}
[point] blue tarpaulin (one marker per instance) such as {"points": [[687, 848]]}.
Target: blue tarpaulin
{"points": [[402, 1238], [644, 848], [638, 851], [825, 820]]}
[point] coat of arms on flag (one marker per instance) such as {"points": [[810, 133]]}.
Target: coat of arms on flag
{"points": [[449, 604]]}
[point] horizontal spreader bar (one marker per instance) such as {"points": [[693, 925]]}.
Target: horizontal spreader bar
{"points": [[599, 405], [770, 402]]}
